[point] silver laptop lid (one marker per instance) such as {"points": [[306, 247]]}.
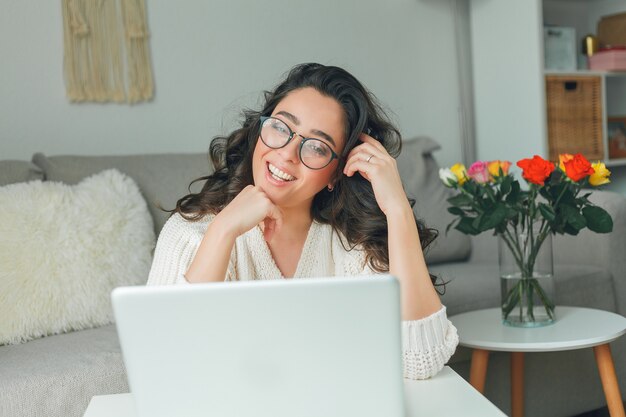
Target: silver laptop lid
{"points": [[311, 347]]}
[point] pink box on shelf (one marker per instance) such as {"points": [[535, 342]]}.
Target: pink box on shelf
{"points": [[611, 60]]}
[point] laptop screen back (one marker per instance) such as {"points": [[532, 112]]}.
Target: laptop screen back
{"points": [[310, 347]]}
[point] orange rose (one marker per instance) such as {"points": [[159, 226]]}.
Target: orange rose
{"points": [[564, 157], [578, 168], [536, 170], [494, 168]]}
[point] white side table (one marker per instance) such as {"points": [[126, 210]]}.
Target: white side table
{"points": [[575, 328]]}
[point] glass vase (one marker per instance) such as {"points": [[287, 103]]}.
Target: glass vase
{"points": [[526, 278]]}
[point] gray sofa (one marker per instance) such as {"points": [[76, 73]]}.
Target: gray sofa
{"points": [[56, 376]]}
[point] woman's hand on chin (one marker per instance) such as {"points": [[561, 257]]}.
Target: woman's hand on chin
{"points": [[251, 207], [374, 163]]}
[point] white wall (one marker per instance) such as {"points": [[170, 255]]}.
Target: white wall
{"points": [[209, 61], [509, 92], [465, 73]]}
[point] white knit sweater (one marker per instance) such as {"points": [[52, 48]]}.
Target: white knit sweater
{"points": [[427, 343]]}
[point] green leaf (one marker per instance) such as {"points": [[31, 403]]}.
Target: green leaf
{"points": [[558, 228], [573, 217], [499, 229], [488, 205], [493, 219], [514, 194], [477, 220], [471, 187], [461, 200], [547, 212], [568, 197], [511, 213], [456, 211], [505, 187], [584, 200], [598, 220], [555, 177], [465, 226], [545, 193]]}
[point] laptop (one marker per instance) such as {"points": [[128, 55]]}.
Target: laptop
{"points": [[318, 347]]}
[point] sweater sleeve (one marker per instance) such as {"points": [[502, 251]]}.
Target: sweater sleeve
{"points": [[427, 343], [175, 249]]}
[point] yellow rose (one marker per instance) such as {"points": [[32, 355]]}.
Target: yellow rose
{"points": [[460, 172], [601, 174]]}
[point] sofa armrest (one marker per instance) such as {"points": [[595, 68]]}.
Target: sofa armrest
{"points": [[602, 250]]}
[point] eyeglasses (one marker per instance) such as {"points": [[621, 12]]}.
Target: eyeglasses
{"points": [[314, 153]]}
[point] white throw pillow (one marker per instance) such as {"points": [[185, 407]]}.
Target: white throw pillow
{"points": [[63, 248]]}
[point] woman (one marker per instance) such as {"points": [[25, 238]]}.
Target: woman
{"points": [[301, 191]]}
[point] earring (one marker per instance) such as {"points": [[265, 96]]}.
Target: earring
{"points": [[331, 188]]}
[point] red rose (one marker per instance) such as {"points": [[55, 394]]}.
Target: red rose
{"points": [[535, 170], [578, 168]]}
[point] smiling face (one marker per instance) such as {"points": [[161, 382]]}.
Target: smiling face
{"points": [[312, 115]]}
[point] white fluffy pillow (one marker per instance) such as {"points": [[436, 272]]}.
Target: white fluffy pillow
{"points": [[64, 248]]}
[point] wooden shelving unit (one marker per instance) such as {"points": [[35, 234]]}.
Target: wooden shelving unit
{"points": [[607, 111]]}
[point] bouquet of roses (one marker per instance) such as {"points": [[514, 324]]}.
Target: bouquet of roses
{"points": [[491, 198]]}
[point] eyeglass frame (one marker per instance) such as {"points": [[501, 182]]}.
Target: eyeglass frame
{"points": [[292, 134]]}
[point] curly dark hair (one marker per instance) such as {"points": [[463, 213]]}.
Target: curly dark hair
{"points": [[351, 207]]}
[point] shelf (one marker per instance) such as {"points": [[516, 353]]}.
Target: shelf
{"points": [[586, 73], [615, 162]]}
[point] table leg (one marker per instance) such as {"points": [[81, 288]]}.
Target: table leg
{"points": [[478, 369], [517, 384], [609, 380]]}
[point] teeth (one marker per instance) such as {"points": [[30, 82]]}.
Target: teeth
{"points": [[280, 174]]}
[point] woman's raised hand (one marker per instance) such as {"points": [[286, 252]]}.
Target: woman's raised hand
{"points": [[251, 207], [374, 163]]}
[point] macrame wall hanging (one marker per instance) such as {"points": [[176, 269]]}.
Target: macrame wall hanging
{"points": [[102, 38]]}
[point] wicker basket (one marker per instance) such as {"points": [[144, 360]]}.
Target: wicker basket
{"points": [[574, 105]]}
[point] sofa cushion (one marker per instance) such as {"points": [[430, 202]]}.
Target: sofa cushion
{"points": [[18, 171], [163, 179], [64, 248], [56, 376], [420, 175], [473, 286]]}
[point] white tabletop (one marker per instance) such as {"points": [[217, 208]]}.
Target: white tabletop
{"points": [[116, 405], [574, 328], [445, 395]]}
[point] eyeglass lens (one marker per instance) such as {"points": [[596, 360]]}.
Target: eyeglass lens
{"points": [[314, 153]]}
